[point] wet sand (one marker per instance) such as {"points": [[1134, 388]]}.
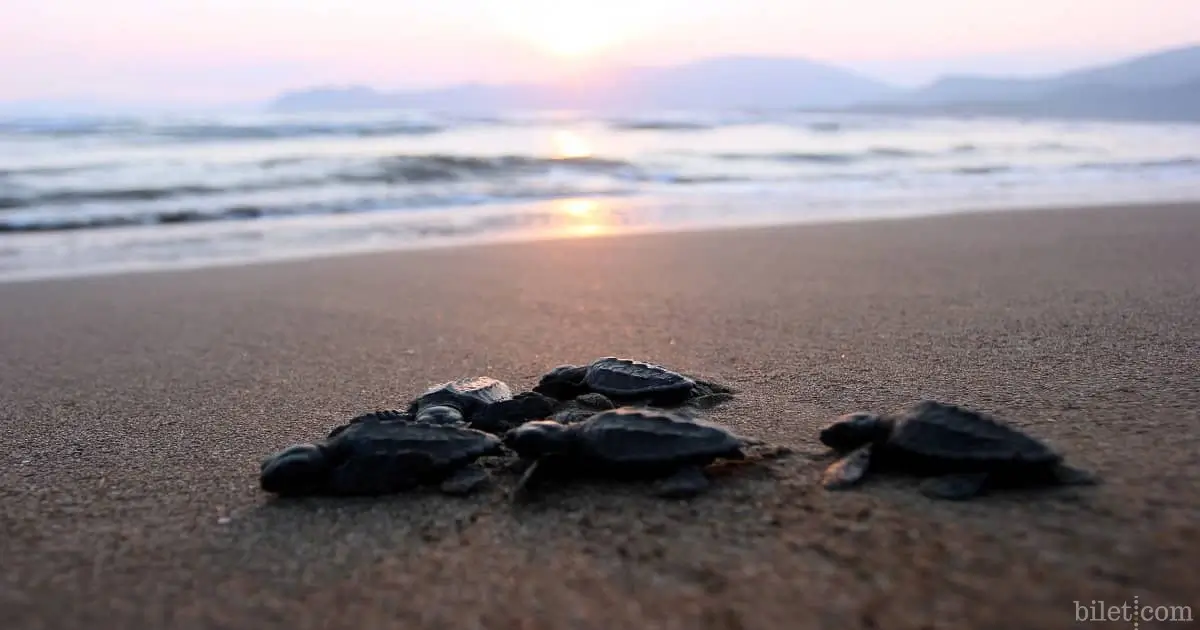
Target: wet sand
{"points": [[136, 408]]}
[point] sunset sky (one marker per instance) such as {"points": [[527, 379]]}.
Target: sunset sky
{"points": [[238, 50]]}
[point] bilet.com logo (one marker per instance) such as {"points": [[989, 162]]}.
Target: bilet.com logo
{"points": [[1142, 616]]}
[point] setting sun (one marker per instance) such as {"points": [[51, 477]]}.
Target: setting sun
{"points": [[575, 28]]}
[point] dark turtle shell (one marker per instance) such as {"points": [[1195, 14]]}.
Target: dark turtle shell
{"points": [[467, 395], [631, 382], [630, 436], [943, 432], [372, 458], [626, 379], [581, 408], [383, 415], [503, 415], [442, 446], [563, 382]]}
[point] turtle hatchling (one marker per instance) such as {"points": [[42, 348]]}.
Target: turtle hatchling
{"points": [[961, 452], [384, 415], [500, 417], [630, 382], [381, 456], [504, 415], [669, 447], [581, 408], [457, 401]]}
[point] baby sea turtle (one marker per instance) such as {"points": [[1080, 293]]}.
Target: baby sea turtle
{"points": [[375, 457], [625, 443], [581, 408], [456, 401], [383, 415], [631, 382], [501, 416], [963, 451]]}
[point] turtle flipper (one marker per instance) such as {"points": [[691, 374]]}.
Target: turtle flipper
{"points": [[1071, 476], [709, 401], [376, 474], [848, 470], [685, 483], [954, 487], [528, 482], [711, 387], [465, 481], [750, 441], [296, 470]]}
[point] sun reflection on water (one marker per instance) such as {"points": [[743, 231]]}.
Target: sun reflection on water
{"points": [[569, 145], [582, 217], [579, 207]]}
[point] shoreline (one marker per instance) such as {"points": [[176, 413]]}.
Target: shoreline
{"points": [[28, 276]]}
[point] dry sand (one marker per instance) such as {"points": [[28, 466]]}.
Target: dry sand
{"points": [[135, 410]]}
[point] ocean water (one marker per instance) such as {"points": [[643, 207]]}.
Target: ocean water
{"points": [[93, 195]]}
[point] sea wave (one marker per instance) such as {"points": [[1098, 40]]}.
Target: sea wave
{"points": [[1181, 162], [67, 126], [83, 196], [393, 182], [392, 171], [823, 157], [157, 171], [990, 169], [54, 170], [181, 131], [1055, 147], [661, 125], [66, 220], [703, 123], [433, 168], [295, 130], [825, 127]]}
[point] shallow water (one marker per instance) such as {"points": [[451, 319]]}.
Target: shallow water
{"points": [[92, 195]]}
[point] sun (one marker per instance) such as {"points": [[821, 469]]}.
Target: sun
{"points": [[572, 28]]}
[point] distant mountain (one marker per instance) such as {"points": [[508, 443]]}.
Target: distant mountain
{"points": [[1163, 86], [1159, 70], [1180, 103], [105, 108], [723, 83]]}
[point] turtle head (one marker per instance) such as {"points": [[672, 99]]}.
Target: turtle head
{"points": [[296, 469], [853, 430], [563, 382], [535, 439], [440, 414]]}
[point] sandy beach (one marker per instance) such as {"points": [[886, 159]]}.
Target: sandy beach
{"points": [[136, 409]]}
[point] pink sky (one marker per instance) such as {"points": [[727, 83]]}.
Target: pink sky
{"points": [[234, 50]]}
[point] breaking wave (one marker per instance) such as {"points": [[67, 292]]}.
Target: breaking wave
{"points": [[392, 182], [70, 174], [660, 125], [824, 158], [1183, 162], [182, 131], [68, 222]]}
